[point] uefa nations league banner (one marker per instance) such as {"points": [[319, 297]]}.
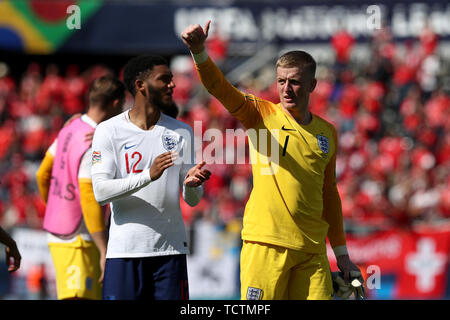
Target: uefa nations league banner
{"points": [[133, 27]]}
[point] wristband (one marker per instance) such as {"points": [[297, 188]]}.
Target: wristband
{"points": [[200, 57], [340, 251]]}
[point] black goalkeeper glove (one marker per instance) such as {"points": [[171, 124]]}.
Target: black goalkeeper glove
{"points": [[344, 290]]}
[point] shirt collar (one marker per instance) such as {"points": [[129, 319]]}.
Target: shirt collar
{"points": [[89, 120]]}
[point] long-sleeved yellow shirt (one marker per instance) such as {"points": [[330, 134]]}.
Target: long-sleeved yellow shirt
{"points": [[294, 202]]}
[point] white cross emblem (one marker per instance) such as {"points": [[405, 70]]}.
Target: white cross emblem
{"points": [[425, 264]]}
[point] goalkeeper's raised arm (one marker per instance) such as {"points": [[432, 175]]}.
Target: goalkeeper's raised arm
{"points": [[239, 104]]}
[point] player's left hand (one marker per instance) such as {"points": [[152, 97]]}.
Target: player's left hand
{"points": [[344, 290], [341, 289], [346, 265], [352, 276], [357, 285], [196, 175]]}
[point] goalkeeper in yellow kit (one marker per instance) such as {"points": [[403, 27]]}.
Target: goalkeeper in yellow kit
{"points": [[294, 204]]}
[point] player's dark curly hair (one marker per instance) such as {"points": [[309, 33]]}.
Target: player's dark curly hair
{"points": [[139, 68]]}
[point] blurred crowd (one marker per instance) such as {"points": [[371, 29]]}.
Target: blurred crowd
{"points": [[392, 114], [393, 118]]}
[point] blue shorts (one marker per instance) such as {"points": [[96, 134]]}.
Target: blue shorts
{"points": [[150, 278]]}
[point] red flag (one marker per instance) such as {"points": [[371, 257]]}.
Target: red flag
{"points": [[425, 264]]}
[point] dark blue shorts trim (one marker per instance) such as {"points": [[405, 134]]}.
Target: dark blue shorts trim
{"points": [[150, 278]]}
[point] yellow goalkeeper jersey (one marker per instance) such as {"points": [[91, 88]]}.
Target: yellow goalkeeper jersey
{"points": [[294, 202]]}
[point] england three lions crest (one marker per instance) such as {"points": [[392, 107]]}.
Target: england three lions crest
{"points": [[323, 143], [170, 141]]}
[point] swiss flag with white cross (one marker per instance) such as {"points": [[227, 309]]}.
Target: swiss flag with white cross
{"points": [[425, 263]]}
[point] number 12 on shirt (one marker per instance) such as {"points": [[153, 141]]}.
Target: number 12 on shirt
{"points": [[138, 157]]}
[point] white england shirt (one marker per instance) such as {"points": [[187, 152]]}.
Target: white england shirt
{"points": [[146, 217]]}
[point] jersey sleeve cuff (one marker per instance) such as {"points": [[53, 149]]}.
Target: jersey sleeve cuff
{"points": [[200, 57], [147, 176], [340, 251]]}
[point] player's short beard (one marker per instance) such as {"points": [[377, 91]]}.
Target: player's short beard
{"points": [[156, 99]]}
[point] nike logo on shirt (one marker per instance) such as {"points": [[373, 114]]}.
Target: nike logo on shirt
{"points": [[126, 148], [286, 129]]}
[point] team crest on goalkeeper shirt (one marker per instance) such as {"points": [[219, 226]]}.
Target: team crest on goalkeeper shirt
{"points": [[170, 141], [323, 142], [254, 293]]}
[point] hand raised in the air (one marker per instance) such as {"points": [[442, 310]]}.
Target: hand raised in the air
{"points": [[161, 163], [196, 175], [194, 37]]}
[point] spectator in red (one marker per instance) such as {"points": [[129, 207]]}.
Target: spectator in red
{"points": [[429, 40], [7, 137], [437, 109], [405, 71], [394, 147], [217, 46], [22, 103], [342, 43], [444, 203], [74, 100], [7, 83], [52, 91], [16, 177], [443, 150], [181, 67]]}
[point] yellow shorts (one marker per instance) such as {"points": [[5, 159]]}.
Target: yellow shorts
{"points": [[270, 272], [77, 266]]}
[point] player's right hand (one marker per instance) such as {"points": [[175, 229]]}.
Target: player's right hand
{"points": [[161, 163], [194, 37]]}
